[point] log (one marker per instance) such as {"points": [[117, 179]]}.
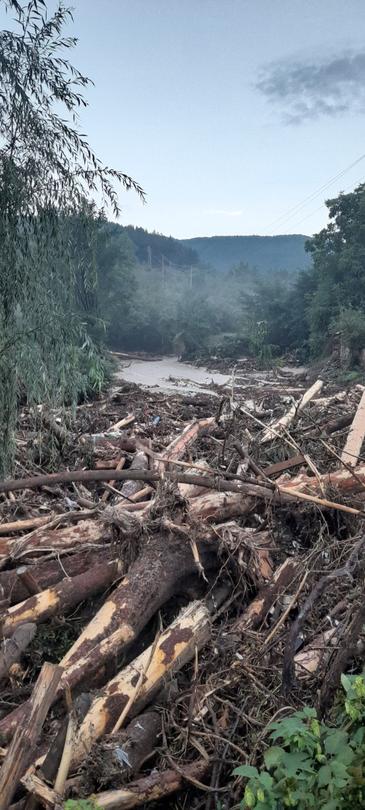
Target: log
{"points": [[121, 440], [12, 649], [193, 490], [72, 537], [307, 661], [256, 612], [122, 755], [343, 480], [176, 449], [61, 597], [36, 522], [46, 574], [352, 449], [220, 506], [175, 647], [281, 424], [282, 466], [161, 571], [154, 787], [140, 462], [21, 751]]}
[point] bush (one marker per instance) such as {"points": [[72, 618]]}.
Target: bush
{"points": [[310, 764]]}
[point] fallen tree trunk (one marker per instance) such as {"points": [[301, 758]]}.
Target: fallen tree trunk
{"points": [[88, 532], [22, 749], [12, 649], [140, 462], [193, 490], [61, 598], [258, 609], [154, 787], [175, 647], [176, 449], [352, 449], [48, 573], [284, 421], [220, 506], [160, 572]]}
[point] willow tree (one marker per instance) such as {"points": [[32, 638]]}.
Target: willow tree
{"points": [[48, 172]]}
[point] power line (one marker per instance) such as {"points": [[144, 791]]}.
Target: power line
{"points": [[307, 216], [296, 208]]}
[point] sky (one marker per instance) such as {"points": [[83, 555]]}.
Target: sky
{"points": [[229, 113]]}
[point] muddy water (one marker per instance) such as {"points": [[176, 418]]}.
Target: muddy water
{"points": [[168, 375]]}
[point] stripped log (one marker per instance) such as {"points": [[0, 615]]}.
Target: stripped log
{"points": [[258, 609], [193, 490], [175, 647], [281, 424], [21, 751], [88, 532], [220, 506], [154, 787], [161, 571], [184, 440], [121, 440], [12, 649], [61, 597], [48, 573], [343, 480], [352, 449]]}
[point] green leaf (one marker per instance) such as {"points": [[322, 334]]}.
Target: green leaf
{"points": [[346, 683], [335, 741], [273, 756], [324, 776], [297, 761], [246, 770]]}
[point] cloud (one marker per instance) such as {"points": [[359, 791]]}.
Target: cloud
{"points": [[223, 213], [313, 89]]}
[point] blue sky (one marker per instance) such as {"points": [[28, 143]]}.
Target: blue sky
{"points": [[176, 104]]}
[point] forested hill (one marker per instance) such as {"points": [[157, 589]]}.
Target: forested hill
{"points": [[153, 248], [264, 252]]}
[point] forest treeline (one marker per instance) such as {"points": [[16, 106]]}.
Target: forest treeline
{"points": [[199, 311]]}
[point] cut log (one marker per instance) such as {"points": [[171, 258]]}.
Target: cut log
{"points": [[175, 647], [281, 466], [343, 480], [257, 610], [21, 751], [154, 787], [46, 574], [12, 649], [279, 426], [352, 449], [61, 597]]}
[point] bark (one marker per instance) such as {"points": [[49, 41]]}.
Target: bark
{"points": [[13, 648], [175, 647], [154, 787], [57, 540], [282, 423], [308, 660], [121, 755], [193, 490], [161, 571], [257, 610], [47, 573], [282, 466], [61, 597], [21, 751], [343, 480]]}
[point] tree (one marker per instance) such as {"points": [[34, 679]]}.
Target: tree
{"points": [[48, 172]]}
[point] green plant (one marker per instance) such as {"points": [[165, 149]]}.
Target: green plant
{"points": [[81, 804], [311, 764]]}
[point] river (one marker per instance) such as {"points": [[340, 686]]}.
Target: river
{"points": [[169, 375]]}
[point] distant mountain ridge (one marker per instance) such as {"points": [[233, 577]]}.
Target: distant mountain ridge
{"points": [[284, 252]]}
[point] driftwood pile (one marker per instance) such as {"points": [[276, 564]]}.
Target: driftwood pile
{"points": [[190, 580]]}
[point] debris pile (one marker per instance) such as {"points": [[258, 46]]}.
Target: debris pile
{"points": [[192, 568]]}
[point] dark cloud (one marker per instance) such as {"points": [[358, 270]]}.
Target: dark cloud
{"points": [[310, 90]]}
